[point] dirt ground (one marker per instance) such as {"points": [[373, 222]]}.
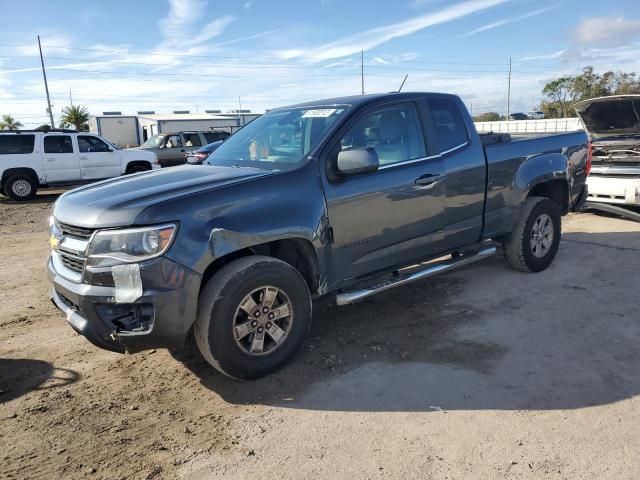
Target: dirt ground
{"points": [[482, 373]]}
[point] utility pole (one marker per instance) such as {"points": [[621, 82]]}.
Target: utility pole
{"points": [[471, 107], [46, 87], [362, 70], [240, 117], [70, 98], [509, 92]]}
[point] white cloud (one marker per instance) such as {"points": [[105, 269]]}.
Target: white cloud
{"points": [[607, 31], [180, 26], [543, 56], [377, 36], [247, 5], [380, 61], [499, 23]]}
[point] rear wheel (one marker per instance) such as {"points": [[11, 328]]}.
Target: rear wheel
{"points": [[20, 187], [534, 242], [253, 315]]}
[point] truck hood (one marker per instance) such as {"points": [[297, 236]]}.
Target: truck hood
{"points": [[610, 117], [117, 202]]}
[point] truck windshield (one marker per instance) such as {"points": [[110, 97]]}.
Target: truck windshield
{"points": [[278, 140], [154, 141]]}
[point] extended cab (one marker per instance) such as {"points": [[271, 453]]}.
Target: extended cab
{"points": [[172, 147], [613, 125], [345, 197], [30, 159]]}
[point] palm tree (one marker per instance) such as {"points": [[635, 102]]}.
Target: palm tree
{"points": [[76, 115], [9, 123]]}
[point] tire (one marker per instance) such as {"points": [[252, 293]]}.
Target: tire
{"points": [[138, 169], [230, 349], [20, 187], [529, 247]]}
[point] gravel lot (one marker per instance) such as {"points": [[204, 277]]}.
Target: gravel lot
{"points": [[483, 373]]}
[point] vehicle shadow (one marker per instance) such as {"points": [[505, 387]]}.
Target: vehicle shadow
{"points": [[21, 376], [41, 198], [486, 337]]}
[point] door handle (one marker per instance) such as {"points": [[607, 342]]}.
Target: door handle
{"points": [[84, 158], [182, 150], [51, 159], [426, 180]]}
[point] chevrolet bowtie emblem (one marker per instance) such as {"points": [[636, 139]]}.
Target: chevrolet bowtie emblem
{"points": [[54, 242]]}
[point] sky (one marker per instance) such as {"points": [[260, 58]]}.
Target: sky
{"points": [[166, 55]]}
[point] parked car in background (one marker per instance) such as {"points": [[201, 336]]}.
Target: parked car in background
{"points": [[535, 115], [171, 147], [197, 157], [613, 125], [30, 159], [518, 116], [346, 196]]}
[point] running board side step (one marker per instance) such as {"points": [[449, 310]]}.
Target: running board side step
{"points": [[432, 270]]}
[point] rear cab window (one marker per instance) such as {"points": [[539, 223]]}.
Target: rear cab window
{"points": [[215, 136], [450, 126], [58, 144], [16, 144]]}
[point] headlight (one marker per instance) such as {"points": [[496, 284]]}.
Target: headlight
{"points": [[113, 247]]}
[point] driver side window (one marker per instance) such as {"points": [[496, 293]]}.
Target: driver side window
{"points": [[393, 131], [173, 141]]}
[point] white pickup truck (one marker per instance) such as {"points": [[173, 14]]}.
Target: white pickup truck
{"points": [[31, 159]]}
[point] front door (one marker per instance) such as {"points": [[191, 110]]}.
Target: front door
{"points": [[393, 216], [171, 151], [97, 158], [60, 159]]}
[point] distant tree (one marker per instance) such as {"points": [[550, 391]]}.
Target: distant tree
{"points": [[626, 84], [76, 115], [487, 117], [45, 127], [562, 92], [9, 123], [559, 95]]}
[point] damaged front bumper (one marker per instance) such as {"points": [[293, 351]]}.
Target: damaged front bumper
{"points": [[159, 317]]}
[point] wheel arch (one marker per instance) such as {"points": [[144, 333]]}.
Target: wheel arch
{"points": [[544, 175], [296, 251], [137, 163], [19, 171]]}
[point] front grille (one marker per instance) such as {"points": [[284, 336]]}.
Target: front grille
{"points": [[72, 262], [73, 231]]}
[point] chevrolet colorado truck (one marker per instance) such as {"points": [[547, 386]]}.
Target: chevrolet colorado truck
{"points": [[344, 197], [613, 125]]}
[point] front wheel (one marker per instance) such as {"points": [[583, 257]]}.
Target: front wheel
{"points": [[253, 315], [20, 187], [534, 241]]}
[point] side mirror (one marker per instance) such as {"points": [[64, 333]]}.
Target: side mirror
{"points": [[357, 160]]}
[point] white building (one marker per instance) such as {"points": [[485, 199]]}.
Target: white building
{"points": [[133, 130]]}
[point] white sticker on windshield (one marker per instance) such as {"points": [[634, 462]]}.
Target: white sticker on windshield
{"points": [[318, 113]]}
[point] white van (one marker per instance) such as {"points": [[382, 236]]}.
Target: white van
{"points": [[30, 159]]}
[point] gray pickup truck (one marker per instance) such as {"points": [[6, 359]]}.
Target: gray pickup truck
{"points": [[347, 196]]}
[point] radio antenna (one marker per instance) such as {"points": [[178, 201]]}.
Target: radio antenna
{"points": [[402, 84]]}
